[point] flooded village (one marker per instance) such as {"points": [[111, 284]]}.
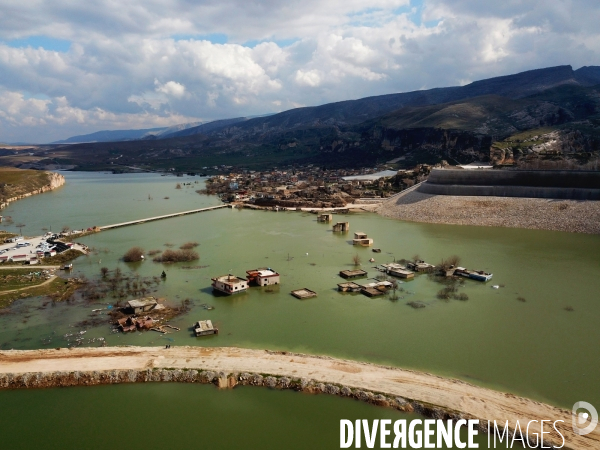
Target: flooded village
{"points": [[310, 186], [297, 280], [387, 282], [135, 311]]}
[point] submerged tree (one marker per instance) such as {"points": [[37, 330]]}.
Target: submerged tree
{"points": [[356, 260], [134, 254], [394, 295]]}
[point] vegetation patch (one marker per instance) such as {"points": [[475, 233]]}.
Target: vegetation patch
{"points": [[62, 258], [189, 245], [59, 289], [115, 284], [172, 256], [134, 254]]}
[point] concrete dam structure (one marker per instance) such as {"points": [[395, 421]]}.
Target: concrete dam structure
{"points": [[555, 184]]}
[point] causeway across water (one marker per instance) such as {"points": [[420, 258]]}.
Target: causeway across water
{"points": [[166, 216]]}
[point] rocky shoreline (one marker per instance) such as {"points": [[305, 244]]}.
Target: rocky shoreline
{"points": [[224, 380], [532, 213]]}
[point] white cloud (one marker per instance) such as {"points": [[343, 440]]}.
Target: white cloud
{"points": [[171, 88], [310, 78], [147, 63], [49, 118]]}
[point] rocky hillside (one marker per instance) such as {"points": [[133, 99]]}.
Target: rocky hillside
{"points": [[17, 183], [458, 124], [352, 112]]}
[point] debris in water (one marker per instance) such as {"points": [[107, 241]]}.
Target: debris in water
{"points": [[416, 305]]}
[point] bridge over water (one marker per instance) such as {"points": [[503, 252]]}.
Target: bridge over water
{"points": [[165, 216]]}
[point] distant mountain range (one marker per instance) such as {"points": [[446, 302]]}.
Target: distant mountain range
{"points": [[456, 123], [355, 111], [126, 135]]}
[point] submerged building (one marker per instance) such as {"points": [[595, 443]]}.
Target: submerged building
{"points": [[361, 238], [229, 284], [204, 328], [263, 277]]}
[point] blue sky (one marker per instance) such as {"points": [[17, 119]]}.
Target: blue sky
{"points": [[69, 68], [45, 42]]}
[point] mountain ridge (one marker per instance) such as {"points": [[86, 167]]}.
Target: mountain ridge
{"points": [[474, 122]]}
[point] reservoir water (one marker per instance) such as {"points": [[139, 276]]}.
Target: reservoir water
{"points": [[544, 347], [178, 416]]}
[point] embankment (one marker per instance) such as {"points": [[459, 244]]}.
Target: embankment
{"points": [[554, 184], [544, 200], [407, 390]]}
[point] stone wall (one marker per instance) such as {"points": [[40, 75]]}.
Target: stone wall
{"points": [[219, 379], [227, 381]]}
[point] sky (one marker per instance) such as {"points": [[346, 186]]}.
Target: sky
{"points": [[69, 67]]}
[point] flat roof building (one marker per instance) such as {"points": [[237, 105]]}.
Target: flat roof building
{"points": [[263, 277], [229, 284], [142, 305], [204, 328]]}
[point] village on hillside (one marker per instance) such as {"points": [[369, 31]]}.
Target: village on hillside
{"points": [[310, 186]]}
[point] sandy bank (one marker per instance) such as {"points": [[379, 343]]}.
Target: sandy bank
{"points": [[513, 212], [403, 389]]}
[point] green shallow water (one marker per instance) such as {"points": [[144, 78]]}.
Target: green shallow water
{"points": [[534, 348], [177, 416]]}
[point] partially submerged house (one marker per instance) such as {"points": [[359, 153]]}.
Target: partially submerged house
{"points": [[135, 323], [349, 274], [361, 238], [349, 287], [142, 305], [398, 270], [342, 226], [371, 292], [325, 218], [303, 293], [229, 284], [420, 266], [263, 277], [376, 289], [204, 328], [478, 275]]}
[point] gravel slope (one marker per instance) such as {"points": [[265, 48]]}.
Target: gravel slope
{"points": [[513, 212]]}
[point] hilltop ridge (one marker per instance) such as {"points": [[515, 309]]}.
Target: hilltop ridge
{"points": [[475, 122]]}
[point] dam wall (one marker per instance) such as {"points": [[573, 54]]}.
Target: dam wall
{"points": [[554, 184]]}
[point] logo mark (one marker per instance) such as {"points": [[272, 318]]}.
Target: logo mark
{"points": [[579, 419]]}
